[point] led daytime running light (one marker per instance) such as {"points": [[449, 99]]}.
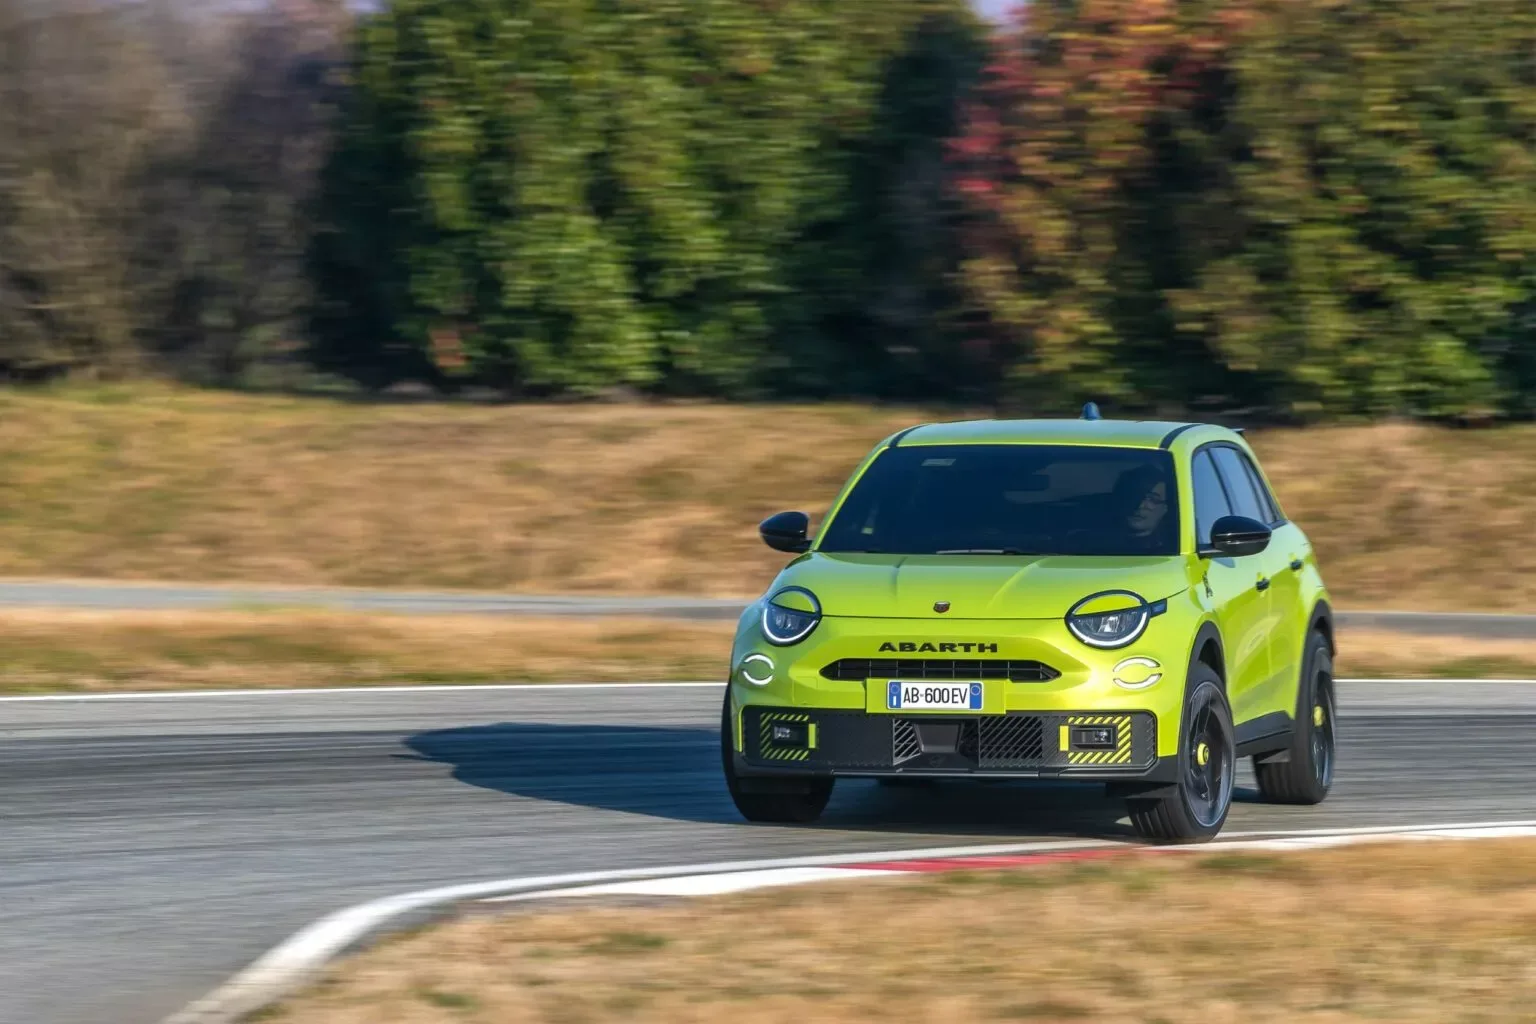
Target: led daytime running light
{"points": [[1141, 610], [800, 623]]}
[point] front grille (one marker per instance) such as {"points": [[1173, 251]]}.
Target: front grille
{"points": [[852, 738], [860, 669], [1012, 741]]}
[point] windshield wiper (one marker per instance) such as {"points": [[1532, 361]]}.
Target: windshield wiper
{"points": [[981, 551]]}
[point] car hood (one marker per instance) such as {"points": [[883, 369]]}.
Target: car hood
{"points": [[976, 586]]}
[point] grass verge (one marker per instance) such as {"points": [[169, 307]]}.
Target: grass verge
{"points": [[87, 652], [84, 651], [144, 482], [1410, 932], [1372, 654]]}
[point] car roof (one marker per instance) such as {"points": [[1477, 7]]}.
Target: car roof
{"points": [[1102, 432]]}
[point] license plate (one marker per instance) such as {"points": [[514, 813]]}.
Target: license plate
{"points": [[900, 696]]}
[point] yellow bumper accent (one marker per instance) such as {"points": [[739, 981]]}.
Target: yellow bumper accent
{"points": [[1120, 755]]}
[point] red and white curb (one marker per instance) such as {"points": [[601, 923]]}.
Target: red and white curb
{"points": [[299, 959]]}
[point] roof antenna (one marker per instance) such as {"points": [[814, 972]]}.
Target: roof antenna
{"points": [[1091, 411]]}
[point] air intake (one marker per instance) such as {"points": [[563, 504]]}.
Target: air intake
{"points": [[860, 669]]}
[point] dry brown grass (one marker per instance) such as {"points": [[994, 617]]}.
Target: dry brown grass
{"points": [[85, 651], [1365, 654], [1411, 516], [97, 651], [196, 486], [173, 484], [1414, 932]]}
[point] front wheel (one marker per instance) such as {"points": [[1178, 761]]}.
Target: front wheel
{"points": [[789, 801], [1196, 806]]}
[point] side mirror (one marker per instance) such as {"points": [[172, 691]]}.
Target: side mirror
{"points": [[1236, 536], [786, 531]]}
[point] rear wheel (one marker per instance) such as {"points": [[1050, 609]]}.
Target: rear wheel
{"points": [[1195, 807], [1306, 776], [775, 800]]}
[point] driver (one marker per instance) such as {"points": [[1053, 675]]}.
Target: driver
{"points": [[1142, 496]]}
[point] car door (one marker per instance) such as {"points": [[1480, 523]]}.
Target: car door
{"points": [[1289, 550], [1274, 695], [1231, 589]]}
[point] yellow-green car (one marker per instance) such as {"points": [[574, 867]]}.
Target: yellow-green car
{"points": [[1120, 601]]}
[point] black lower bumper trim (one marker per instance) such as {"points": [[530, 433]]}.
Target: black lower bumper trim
{"points": [[1161, 772], [802, 741]]}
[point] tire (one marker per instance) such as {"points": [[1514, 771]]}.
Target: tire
{"points": [[1195, 807], [782, 801], [1307, 776]]}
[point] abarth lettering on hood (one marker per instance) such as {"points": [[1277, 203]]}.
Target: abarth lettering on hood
{"points": [[927, 647]]}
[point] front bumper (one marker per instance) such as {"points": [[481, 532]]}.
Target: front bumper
{"points": [[1013, 745], [834, 684]]}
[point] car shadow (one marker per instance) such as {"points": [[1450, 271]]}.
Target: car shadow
{"points": [[674, 773]]}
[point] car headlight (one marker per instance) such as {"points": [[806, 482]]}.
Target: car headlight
{"points": [[790, 615], [1114, 618]]}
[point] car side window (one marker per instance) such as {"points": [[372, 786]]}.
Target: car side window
{"points": [[1210, 498], [1266, 499], [1240, 485]]}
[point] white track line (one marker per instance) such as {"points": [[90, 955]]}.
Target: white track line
{"points": [[719, 884], [742, 881], [301, 957], [507, 687], [1438, 679]]}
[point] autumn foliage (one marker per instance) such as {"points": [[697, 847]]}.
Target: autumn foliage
{"points": [[1302, 205]]}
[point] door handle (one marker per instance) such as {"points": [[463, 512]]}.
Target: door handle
{"points": [[1263, 584], [1296, 564]]}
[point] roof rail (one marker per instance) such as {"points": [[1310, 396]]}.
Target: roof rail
{"points": [[1091, 411]]}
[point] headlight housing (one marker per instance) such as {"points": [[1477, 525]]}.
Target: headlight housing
{"points": [[1111, 619], [790, 616]]}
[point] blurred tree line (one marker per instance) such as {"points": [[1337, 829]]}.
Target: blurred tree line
{"points": [[1296, 207], [157, 162]]}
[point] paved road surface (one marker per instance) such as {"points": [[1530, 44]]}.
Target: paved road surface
{"points": [[174, 596], [153, 846]]}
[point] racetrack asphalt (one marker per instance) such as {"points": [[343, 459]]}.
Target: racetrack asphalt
{"points": [[153, 846], [132, 596]]}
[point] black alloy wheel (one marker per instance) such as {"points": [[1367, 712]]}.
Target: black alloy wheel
{"points": [[1195, 806], [1303, 774]]}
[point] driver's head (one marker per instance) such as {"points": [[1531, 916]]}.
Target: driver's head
{"points": [[1142, 496]]}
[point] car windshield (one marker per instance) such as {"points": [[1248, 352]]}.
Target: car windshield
{"points": [[1020, 499]]}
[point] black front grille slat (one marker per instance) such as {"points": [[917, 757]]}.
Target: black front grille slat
{"points": [[1012, 741], [904, 742], [858, 741], [860, 669]]}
